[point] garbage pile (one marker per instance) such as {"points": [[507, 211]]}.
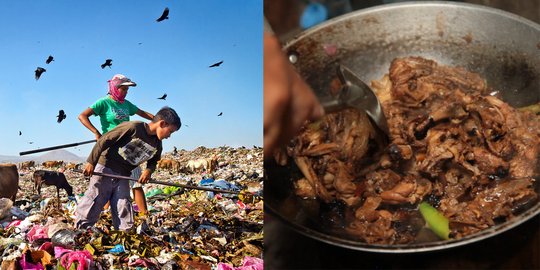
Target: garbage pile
{"points": [[186, 228]]}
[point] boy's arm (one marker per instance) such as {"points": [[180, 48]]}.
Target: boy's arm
{"points": [[108, 139]]}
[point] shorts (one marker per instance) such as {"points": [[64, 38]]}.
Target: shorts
{"points": [[136, 173]]}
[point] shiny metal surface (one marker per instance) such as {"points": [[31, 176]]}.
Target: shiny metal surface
{"points": [[356, 94], [501, 47]]}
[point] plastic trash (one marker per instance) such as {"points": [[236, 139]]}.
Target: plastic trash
{"points": [[38, 231], [171, 265], [26, 262], [54, 228], [248, 263], [18, 213], [117, 249], [59, 251], [82, 260], [65, 238], [228, 205], [154, 192], [206, 181], [5, 207], [170, 190], [219, 184], [71, 207], [5, 242], [143, 228]]}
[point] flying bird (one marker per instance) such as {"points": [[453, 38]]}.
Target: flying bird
{"points": [[20, 133], [61, 116], [164, 16], [49, 59], [39, 71], [108, 63], [163, 97], [216, 64], [220, 114], [30, 142]]}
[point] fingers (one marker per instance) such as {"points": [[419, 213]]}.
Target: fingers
{"points": [[288, 101], [88, 170], [145, 177]]}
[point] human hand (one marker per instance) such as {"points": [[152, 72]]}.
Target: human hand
{"points": [[288, 100], [145, 176], [88, 169]]}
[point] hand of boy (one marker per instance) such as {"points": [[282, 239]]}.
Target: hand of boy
{"points": [[88, 170], [145, 176]]}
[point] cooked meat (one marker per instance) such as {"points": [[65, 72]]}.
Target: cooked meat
{"points": [[469, 154]]}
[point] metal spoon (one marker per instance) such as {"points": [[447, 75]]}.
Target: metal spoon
{"points": [[356, 94]]}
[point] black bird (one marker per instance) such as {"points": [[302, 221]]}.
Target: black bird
{"points": [[163, 97], [216, 64], [39, 71], [164, 16], [220, 114], [30, 142], [49, 59], [108, 63], [61, 116], [20, 133]]}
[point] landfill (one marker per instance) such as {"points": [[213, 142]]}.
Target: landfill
{"points": [[185, 229]]}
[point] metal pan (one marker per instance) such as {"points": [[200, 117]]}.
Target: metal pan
{"points": [[502, 47]]}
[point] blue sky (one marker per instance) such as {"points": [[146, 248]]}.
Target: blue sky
{"points": [[170, 57]]}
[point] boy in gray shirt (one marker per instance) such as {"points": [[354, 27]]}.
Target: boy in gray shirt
{"points": [[118, 152]]}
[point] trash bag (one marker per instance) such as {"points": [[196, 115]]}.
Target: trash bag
{"points": [[65, 238], [5, 207]]}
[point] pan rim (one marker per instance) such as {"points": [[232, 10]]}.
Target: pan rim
{"points": [[411, 247]]}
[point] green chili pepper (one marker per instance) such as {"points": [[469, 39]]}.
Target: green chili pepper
{"points": [[436, 221]]}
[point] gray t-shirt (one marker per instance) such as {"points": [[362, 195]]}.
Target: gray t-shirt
{"points": [[125, 147]]}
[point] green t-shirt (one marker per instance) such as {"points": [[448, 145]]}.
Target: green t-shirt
{"points": [[112, 113]]}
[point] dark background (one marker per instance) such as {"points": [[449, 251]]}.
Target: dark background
{"points": [[518, 248]]}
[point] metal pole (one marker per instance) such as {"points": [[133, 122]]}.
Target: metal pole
{"points": [[163, 183], [55, 147]]}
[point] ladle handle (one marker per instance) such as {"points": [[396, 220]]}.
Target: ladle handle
{"points": [[332, 104]]}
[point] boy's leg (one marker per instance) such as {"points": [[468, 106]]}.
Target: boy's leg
{"points": [[138, 192], [140, 200], [107, 205], [96, 195], [121, 207]]}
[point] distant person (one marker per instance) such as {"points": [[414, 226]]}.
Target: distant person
{"points": [[175, 151], [112, 110], [118, 152]]}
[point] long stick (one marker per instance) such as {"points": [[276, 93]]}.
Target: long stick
{"points": [[54, 147], [162, 183]]}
